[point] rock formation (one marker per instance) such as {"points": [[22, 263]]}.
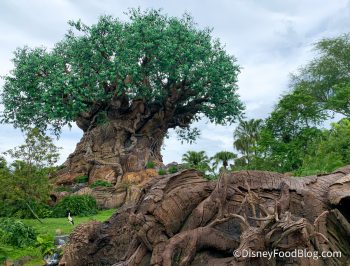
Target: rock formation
{"points": [[183, 219]]}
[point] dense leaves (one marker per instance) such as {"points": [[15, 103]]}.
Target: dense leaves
{"points": [[167, 62], [78, 205], [222, 157], [15, 233], [197, 160]]}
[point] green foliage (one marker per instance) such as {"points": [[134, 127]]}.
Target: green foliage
{"points": [[63, 189], [15, 233], [150, 165], [147, 57], [329, 151], [162, 172], [46, 244], [172, 169], [81, 179], [79, 205], [101, 183], [26, 179], [326, 80], [19, 209], [27, 189], [38, 150], [223, 157], [246, 136], [197, 160]]}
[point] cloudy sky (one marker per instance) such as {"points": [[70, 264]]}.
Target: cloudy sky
{"points": [[270, 39]]}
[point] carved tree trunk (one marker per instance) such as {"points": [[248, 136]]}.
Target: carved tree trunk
{"points": [[182, 219], [109, 149]]}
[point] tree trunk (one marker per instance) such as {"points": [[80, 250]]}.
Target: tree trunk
{"points": [[115, 147], [182, 219]]}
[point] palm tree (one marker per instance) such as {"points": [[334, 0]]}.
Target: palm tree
{"points": [[246, 136], [198, 160], [223, 157]]}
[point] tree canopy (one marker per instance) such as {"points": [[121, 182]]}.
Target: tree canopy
{"points": [[97, 72]]}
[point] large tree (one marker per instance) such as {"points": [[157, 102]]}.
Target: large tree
{"points": [[124, 83]]}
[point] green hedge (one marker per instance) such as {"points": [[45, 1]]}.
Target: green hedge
{"points": [[79, 205]]}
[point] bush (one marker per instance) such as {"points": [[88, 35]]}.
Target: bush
{"points": [[63, 189], [46, 244], [101, 183], [162, 172], [18, 209], [82, 179], [150, 165], [16, 233], [172, 169], [79, 205]]}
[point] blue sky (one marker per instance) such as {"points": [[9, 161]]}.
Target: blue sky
{"points": [[270, 40]]}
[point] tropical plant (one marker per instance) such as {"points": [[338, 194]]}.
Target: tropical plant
{"points": [[198, 160], [246, 136], [223, 157]]}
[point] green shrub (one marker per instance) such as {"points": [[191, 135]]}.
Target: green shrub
{"points": [[82, 179], [79, 205], [172, 169], [162, 172], [19, 209], [150, 165], [46, 244], [16, 233], [63, 189], [101, 183]]}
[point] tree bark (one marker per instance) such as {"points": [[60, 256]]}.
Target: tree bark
{"points": [[119, 145], [182, 219]]}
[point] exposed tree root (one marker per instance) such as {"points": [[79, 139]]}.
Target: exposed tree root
{"points": [[181, 219]]}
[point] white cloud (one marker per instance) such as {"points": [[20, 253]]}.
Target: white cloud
{"points": [[269, 38]]}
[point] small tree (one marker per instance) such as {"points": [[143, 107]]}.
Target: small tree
{"points": [[27, 180], [246, 136], [38, 150], [223, 157]]}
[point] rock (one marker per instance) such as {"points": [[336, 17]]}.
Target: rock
{"points": [[139, 177], [106, 197], [57, 196], [67, 178], [133, 194], [77, 186], [183, 217], [52, 260], [22, 261], [106, 173], [61, 240], [8, 263], [121, 192], [171, 164], [84, 191]]}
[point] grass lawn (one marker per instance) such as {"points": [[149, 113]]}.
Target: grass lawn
{"points": [[49, 226]]}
